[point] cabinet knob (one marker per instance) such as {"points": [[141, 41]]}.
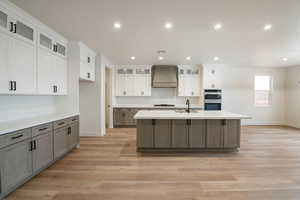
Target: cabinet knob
{"points": [[89, 75]]}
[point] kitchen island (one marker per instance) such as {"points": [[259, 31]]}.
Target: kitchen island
{"points": [[171, 130]]}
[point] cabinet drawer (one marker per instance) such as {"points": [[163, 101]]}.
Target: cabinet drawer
{"points": [[41, 129], [74, 119], [12, 138], [60, 123]]}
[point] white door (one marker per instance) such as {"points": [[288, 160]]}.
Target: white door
{"points": [[22, 67], [5, 41], [60, 74], [46, 63]]}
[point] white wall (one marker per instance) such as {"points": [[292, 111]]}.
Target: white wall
{"points": [[238, 94], [19, 107], [92, 101], [293, 97]]}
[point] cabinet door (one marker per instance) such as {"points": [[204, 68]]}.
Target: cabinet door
{"points": [[45, 71], [84, 71], [121, 85], [16, 164], [43, 152], [60, 75], [214, 137], [232, 134], [197, 134], [179, 134], [60, 142], [145, 134], [162, 133], [73, 135], [4, 62], [129, 85], [22, 67], [3, 20]]}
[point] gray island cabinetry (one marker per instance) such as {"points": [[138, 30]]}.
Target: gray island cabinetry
{"points": [[199, 131]]}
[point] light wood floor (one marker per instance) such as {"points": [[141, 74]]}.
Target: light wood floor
{"points": [[108, 168]]}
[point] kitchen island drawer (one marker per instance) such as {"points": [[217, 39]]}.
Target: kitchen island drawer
{"points": [[41, 129], [14, 137], [60, 123]]}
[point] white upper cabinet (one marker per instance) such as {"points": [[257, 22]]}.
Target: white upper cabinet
{"points": [[18, 60], [87, 63], [212, 76], [30, 62], [143, 81], [133, 80], [52, 66], [189, 81]]}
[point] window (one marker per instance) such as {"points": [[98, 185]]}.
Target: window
{"points": [[263, 90]]}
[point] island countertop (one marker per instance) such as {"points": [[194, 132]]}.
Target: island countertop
{"points": [[173, 114]]}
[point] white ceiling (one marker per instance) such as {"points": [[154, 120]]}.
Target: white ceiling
{"points": [[241, 42]]}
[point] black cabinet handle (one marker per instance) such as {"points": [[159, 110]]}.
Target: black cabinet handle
{"points": [[61, 123], [69, 130], [11, 27], [89, 75], [89, 59], [31, 146], [34, 144], [11, 87], [16, 137], [15, 85], [55, 89], [188, 122], [224, 122], [153, 122], [42, 129], [15, 26]]}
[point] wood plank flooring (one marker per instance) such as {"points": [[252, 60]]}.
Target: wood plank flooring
{"points": [[108, 168]]}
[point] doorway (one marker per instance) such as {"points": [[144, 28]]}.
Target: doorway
{"points": [[108, 97]]}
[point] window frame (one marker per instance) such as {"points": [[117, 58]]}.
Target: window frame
{"points": [[270, 91]]}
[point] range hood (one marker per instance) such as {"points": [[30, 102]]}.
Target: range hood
{"points": [[164, 76]]}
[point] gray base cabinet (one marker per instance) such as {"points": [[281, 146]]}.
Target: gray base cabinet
{"points": [[25, 153], [214, 134], [16, 164], [197, 134], [60, 142], [162, 134], [180, 133], [145, 133], [43, 151], [188, 134]]}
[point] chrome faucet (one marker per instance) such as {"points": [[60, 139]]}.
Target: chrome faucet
{"points": [[188, 105]]}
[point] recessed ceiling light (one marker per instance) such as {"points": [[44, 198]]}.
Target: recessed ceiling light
{"points": [[132, 57], [216, 58], [160, 58], [117, 25], [284, 59], [218, 26], [267, 27], [168, 25], [188, 58]]}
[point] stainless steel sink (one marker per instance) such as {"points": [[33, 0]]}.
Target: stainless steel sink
{"points": [[184, 111]]}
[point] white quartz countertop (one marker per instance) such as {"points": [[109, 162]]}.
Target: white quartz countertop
{"points": [[172, 114], [152, 106], [15, 125]]}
